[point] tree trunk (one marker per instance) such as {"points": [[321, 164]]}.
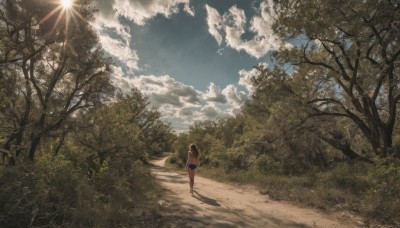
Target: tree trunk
{"points": [[343, 147], [60, 144], [34, 144], [324, 163], [387, 136]]}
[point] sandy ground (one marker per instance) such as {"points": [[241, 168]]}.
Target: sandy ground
{"points": [[217, 204]]}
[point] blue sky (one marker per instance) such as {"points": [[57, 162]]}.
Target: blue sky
{"points": [[193, 59]]}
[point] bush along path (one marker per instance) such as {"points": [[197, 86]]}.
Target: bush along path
{"points": [[219, 204]]}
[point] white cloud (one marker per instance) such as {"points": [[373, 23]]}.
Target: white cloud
{"points": [[235, 98], [166, 98], [185, 112], [214, 94], [189, 10], [236, 18], [121, 82], [106, 7], [121, 51], [139, 11], [232, 25], [182, 104], [214, 22], [166, 90], [246, 77], [210, 112], [179, 103], [115, 37], [220, 51]]}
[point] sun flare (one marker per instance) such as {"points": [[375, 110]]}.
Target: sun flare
{"points": [[66, 4]]}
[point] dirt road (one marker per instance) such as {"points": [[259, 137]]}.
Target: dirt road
{"points": [[217, 204]]}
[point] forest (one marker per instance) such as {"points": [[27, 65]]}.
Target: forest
{"points": [[321, 127]]}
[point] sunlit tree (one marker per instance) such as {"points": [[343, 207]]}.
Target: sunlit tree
{"points": [[53, 65], [350, 53]]}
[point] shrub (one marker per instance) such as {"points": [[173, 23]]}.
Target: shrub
{"points": [[265, 164], [53, 192], [42, 194], [351, 177], [384, 195]]}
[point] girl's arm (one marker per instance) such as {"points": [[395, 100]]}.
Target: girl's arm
{"points": [[187, 161]]}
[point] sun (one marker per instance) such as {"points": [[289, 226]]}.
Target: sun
{"points": [[66, 4]]}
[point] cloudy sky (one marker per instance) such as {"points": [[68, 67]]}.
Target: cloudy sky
{"points": [[193, 59]]}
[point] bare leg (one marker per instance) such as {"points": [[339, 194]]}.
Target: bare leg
{"points": [[191, 179], [194, 173], [191, 185], [189, 175]]}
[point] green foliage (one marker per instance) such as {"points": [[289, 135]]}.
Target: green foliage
{"points": [[55, 191], [46, 193], [296, 166], [122, 131], [50, 71], [217, 153], [349, 177], [77, 148], [267, 165], [385, 191], [181, 147], [341, 62], [173, 159], [320, 120]]}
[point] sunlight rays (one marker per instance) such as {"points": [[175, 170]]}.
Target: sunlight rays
{"points": [[65, 10]]}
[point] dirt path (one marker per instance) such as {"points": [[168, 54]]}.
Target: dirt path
{"points": [[216, 204]]}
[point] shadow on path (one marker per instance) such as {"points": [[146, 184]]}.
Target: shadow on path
{"points": [[205, 199]]}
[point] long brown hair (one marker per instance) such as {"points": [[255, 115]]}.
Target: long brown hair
{"points": [[194, 150]]}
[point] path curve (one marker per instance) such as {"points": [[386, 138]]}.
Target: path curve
{"points": [[217, 204]]}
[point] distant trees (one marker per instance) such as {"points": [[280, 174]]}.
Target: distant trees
{"points": [[122, 130]]}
